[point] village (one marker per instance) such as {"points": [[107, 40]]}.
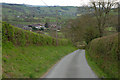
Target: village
{"points": [[42, 28]]}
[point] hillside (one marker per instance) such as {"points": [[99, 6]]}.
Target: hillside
{"points": [[33, 11], [28, 13]]}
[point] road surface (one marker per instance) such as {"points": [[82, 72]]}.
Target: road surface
{"points": [[73, 65]]}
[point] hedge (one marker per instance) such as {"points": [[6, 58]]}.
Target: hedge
{"points": [[105, 53], [20, 37]]}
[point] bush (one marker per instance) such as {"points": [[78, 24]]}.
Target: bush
{"points": [[34, 28], [41, 29], [90, 34]]}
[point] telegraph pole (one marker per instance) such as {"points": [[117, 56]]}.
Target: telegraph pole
{"points": [[56, 23], [56, 28]]}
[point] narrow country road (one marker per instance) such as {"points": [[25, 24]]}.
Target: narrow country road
{"points": [[73, 65]]}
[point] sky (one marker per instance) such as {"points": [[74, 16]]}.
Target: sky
{"points": [[49, 2]]}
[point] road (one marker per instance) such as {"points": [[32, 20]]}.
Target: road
{"points": [[73, 65]]}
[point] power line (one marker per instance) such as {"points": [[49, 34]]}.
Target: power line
{"points": [[45, 3], [56, 22]]}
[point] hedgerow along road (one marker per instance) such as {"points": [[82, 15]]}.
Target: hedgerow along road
{"points": [[73, 65]]}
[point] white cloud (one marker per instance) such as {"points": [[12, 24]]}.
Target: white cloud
{"points": [[49, 2]]}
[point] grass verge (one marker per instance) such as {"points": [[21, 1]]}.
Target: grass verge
{"points": [[32, 61], [94, 67]]}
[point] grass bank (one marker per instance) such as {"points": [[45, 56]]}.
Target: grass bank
{"points": [[27, 54], [31, 61], [95, 67], [103, 56]]}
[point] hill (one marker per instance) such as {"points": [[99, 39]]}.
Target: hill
{"points": [[29, 13]]}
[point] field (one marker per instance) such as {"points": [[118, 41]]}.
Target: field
{"points": [[24, 14], [27, 13]]}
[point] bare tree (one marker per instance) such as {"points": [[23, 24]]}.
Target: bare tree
{"points": [[102, 9]]}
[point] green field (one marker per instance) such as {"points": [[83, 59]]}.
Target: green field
{"points": [[14, 13], [27, 13]]}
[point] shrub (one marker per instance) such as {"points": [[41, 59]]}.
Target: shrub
{"points": [[90, 34]]}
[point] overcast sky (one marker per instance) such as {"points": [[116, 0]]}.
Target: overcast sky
{"points": [[49, 2]]}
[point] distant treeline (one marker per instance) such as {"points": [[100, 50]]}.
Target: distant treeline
{"points": [[21, 37]]}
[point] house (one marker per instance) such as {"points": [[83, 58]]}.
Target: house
{"points": [[38, 26], [27, 28], [53, 27]]}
